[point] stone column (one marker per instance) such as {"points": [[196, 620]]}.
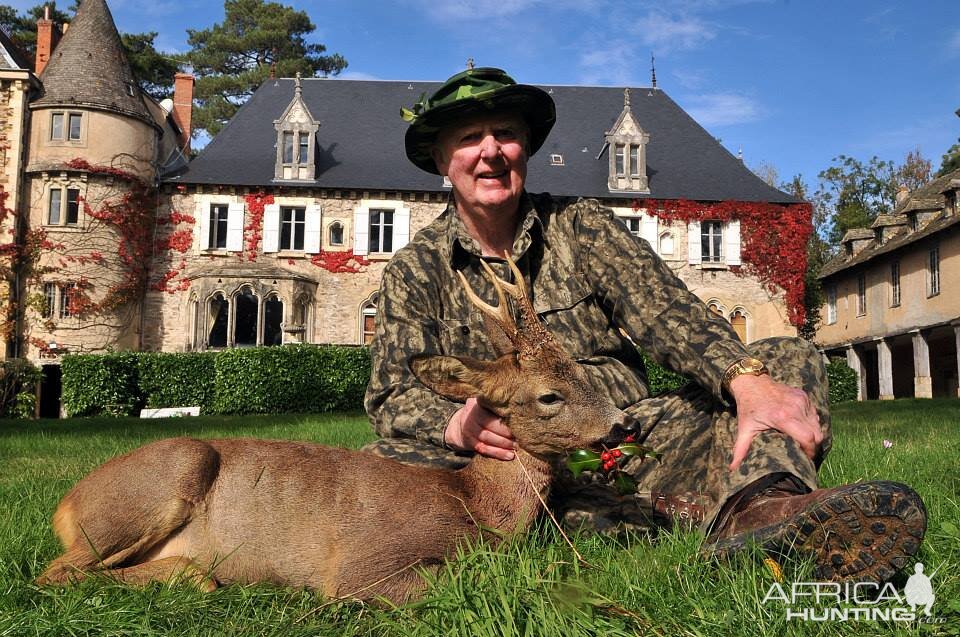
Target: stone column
{"points": [[856, 364], [885, 369], [922, 382]]}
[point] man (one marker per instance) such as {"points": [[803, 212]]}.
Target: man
{"points": [[740, 447]]}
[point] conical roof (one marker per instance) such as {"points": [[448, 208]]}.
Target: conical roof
{"points": [[89, 67]]}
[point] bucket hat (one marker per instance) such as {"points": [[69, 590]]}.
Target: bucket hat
{"points": [[474, 91]]}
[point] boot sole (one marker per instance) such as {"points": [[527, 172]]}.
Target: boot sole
{"points": [[863, 532]]}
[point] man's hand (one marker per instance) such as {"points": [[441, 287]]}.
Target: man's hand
{"points": [[762, 404], [473, 428]]}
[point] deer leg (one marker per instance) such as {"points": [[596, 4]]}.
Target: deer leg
{"points": [[169, 569]]}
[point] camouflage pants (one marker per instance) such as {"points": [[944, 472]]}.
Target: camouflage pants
{"points": [[694, 432]]}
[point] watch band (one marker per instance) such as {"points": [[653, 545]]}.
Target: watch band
{"points": [[752, 366]]}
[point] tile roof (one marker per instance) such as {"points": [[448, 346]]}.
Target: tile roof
{"points": [[360, 144], [941, 222], [89, 67], [11, 57]]}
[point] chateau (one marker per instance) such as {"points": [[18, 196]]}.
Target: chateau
{"points": [[278, 231]]}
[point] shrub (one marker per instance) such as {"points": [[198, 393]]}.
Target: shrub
{"points": [[95, 384], [292, 378], [18, 380], [660, 379], [177, 380], [842, 381]]}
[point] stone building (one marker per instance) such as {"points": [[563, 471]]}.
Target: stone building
{"points": [[279, 230], [892, 303]]}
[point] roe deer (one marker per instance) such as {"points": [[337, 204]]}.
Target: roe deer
{"points": [[343, 522]]}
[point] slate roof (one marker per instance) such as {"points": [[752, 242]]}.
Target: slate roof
{"points": [[360, 144], [924, 198], [89, 67]]}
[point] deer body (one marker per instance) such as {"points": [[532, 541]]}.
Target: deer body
{"points": [[346, 523]]}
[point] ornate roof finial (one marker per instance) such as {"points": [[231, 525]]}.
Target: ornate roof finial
{"points": [[626, 98], [740, 154], [273, 64], [653, 71], [470, 64], [296, 84]]}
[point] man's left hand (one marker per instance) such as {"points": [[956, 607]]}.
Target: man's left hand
{"points": [[762, 404]]}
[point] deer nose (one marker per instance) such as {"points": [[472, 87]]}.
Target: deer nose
{"points": [[628, 425]]}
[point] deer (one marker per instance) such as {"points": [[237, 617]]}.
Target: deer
{"points": [[347, 524]]}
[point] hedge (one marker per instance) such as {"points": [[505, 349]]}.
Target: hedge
{"points": [[292, 378], [842, 381], [18, 381]]}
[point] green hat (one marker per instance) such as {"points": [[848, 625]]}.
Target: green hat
{"points": [[475, 91]]}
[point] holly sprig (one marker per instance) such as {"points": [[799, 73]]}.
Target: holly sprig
{"points": [[609, 461]]}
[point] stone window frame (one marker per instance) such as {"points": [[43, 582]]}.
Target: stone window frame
{"points": [[64, 183], [293, 224], [747, 322], [933, 271], [367, 318], [667, 235], [862, 294], [362, 226], [329, 234], [895, 291], [213, 236], [831, 294], [65, 138], [706, 251], [202, 324], [236, 220], [295, 121]]}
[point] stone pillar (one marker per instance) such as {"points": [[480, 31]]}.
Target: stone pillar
{"points": [[922, 382], [885, 369], [855, 363]]}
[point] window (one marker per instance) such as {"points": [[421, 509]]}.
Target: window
{"points": [[335, 236], [620, 160], [245, 322], [739, 322], [714, 307], [73, 205], [633, 225], [666, 243], [831, 305], [292, 228], [218, 226], [288, 148], [556, 159], [218, 311], [861, 294], [49, 299], [55, 203], [895, 284], [68, 293], [634, 160], [273, 321], [304, 151], [711, 241], [56, 126], [368, 315], [933, 272], [75, 119], [381, 230]]}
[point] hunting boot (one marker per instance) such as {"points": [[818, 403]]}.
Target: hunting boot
{"points": [[865, 531]]}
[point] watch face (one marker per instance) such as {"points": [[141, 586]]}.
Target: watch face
{"points": [[752, 365]]}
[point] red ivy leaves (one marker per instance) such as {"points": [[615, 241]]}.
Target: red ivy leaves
{"points": [[339, 262], [773, 238], [253, 231]]}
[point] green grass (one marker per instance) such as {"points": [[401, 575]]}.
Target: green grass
{"points": [[529, 587]]}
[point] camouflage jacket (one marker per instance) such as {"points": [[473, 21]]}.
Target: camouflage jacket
{"points": [[589, 278]]}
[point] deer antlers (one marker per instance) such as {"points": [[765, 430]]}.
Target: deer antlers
{"points": [[528, 339]]}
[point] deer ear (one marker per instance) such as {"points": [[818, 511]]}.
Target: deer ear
{"points": [[453, 377]]}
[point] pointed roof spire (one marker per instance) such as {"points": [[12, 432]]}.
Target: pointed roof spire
{"points": [[626, 98], [653, 71], [89, 67], [470, 64], [296, 85]]}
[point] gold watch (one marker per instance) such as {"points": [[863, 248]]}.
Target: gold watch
{"points": [[751, 366]]}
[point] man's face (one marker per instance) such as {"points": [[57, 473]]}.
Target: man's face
{"points": [[485, 159]]}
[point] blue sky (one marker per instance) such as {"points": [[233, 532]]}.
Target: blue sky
{"points": [[793, 83]]}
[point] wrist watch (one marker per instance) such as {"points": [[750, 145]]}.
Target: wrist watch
{"points": [[752, 366]]}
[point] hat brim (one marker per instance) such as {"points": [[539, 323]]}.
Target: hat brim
{"points": [[533, 104]]}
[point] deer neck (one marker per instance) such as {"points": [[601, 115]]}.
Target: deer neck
{"points": [[507, 495]]}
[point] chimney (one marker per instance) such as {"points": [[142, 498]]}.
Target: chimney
{"points": [[183, 106], [47, 36]]}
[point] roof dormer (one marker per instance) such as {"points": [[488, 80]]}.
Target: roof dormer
{"points": [[627, 143], [296, 140]]}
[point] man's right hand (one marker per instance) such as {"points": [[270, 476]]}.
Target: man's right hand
{"points": [[473, 428]]}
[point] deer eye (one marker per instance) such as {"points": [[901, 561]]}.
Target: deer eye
{"points": [[550, 399]]}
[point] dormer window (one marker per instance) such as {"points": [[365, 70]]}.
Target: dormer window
{"points": [[628, 156], [296, 139]]}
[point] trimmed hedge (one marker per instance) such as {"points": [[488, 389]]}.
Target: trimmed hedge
{"points": [[660, 379], [842, 381], [262, 380]]}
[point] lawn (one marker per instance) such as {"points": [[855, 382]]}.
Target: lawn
{"points": [[530, 587]]}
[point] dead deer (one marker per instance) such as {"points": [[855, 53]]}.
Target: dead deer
{"points": [[346, 523]]}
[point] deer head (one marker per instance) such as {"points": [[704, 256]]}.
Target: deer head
{"points": [[537, 389]]}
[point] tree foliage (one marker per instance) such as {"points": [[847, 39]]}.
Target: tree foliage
{"points": [[951, 159], [22, 27], [231, 59]]}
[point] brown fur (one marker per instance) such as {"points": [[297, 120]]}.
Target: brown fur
{"points": [[343, 522]]}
